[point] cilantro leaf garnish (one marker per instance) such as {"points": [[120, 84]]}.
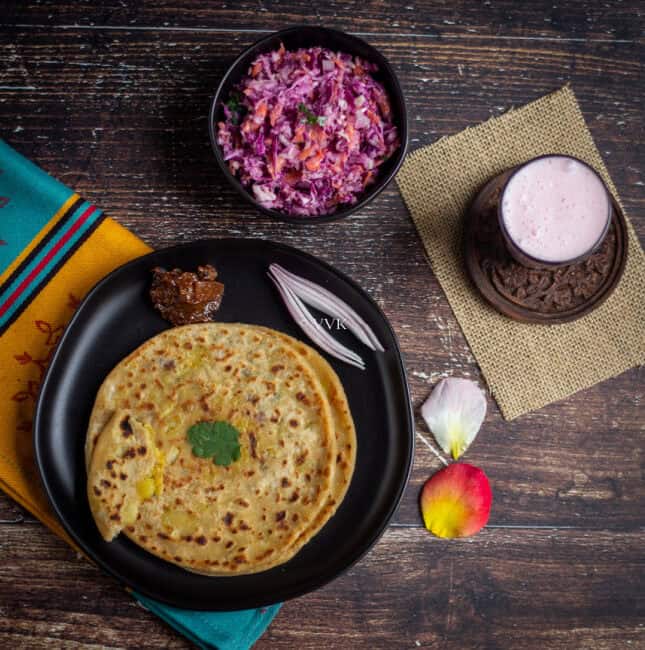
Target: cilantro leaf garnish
{"points": [[234, 101], [217, 440], [234, 104], [309, 116]]}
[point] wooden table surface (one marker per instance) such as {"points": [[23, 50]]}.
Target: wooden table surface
{"points": [[112, 99]]}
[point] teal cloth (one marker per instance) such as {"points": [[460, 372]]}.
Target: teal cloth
{"points": [[221, 630]]}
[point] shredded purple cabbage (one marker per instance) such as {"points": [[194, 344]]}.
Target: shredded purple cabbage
{"points": [[306, 131]]}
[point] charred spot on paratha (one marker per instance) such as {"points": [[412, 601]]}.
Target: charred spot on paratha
{"points": [[126, 427]]}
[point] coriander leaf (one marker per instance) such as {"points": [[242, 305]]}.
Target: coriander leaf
{"points": [[234, 102], [309, 116], [235, 106], [217, 440]]}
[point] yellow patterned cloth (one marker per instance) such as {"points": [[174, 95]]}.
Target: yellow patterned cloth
{"points": [[51, 254]]}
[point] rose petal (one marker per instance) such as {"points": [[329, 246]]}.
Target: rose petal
{"points": [[454, 412], [456, 501]]}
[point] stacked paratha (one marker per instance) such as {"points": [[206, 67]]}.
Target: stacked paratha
{"points": [[297, 448]]}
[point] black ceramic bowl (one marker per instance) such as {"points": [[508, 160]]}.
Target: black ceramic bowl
{"points": [[303, 37]]}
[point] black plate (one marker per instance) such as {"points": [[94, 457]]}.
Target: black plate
{"points": [[117, 316]]}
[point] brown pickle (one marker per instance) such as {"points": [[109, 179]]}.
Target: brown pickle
{"points": [[183, 297]]}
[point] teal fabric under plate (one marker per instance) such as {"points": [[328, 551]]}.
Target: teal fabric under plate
{"points": [[222, 630]]}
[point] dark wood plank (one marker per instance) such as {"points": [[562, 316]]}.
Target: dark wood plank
{"points": [[507, 589], [11, 512], [117, 106], [52, 597], [576, 19], [503, 588]]}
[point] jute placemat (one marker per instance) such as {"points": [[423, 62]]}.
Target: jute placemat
{"points": [[526, 366]]}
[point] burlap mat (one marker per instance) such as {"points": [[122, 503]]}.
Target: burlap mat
{"points": [[525, 365]]}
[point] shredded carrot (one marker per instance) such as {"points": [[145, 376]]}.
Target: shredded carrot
{"points": [[305, 153], [384, 105], [313, 163], [352, 136], [261, 110], [299, 135], [318, 135], [373, 117], [276, 112]]}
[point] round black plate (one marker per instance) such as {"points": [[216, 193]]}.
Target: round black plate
{"points": [[117, 316]]}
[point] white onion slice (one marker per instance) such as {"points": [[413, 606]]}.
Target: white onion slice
{"points": [[305, 320], [320, 298]]}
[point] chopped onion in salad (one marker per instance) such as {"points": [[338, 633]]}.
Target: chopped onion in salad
{"points": [[306, 131]]}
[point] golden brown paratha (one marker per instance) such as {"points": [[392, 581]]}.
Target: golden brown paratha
{"points": [[243, 518], [346, 443], [344, 430]]}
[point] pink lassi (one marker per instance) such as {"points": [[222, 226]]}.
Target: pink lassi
{"points": [[555, 209]]}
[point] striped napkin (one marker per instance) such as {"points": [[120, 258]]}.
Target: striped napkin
{"points": [[54, 247]]}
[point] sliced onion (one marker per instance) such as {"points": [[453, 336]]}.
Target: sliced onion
{"points": [[312, 329], [320, 298]]}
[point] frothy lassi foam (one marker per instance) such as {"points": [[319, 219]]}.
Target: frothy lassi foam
{"points": [[555, 209]]}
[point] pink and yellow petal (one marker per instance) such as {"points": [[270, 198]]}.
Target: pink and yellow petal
{"points": [[456, 501]]}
